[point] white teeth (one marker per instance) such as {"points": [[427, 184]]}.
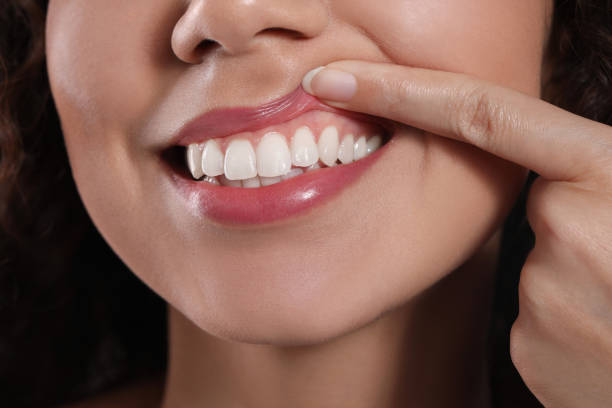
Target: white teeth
{"points": [[273, 155], [328, 146], [224, 181], [271, 162], [251, 183], [240, 160], [360, 148], [304, 151], [346, 149], [212, 159], [292, 173], [194, 158], [373, 144], [267, 181]]}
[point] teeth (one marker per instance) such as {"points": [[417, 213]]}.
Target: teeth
{"points": [[271, 162], [373, 144], [224, 181], [328, 146], [304, 151], [267, 181], [212, 159], [194, 158], [360, 148], [346, 149], [240, 160], [273, 156], [251, 183]]}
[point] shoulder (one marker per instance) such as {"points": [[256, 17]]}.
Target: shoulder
{"points": [[141, 394]]}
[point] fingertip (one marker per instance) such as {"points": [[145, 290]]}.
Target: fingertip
{"points": [[330, 84], [306, 82]]}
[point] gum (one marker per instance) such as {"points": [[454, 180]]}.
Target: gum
{"points": [[317, 121]]}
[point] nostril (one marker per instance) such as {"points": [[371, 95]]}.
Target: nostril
{"points": [[283, 32], [205, 46]]}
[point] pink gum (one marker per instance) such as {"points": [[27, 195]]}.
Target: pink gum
{"points": [[317, 121]]}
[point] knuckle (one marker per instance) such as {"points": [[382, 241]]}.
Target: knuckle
{"points": [[559, 218], [392, 90], [531, 287], [548, 212], [526, 356], [522, 338], [518, 347], [540, 297], [547, 305], [541, 208], [478, 118], [395, 91]]}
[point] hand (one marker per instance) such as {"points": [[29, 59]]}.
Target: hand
{"points": [[561, 342]]}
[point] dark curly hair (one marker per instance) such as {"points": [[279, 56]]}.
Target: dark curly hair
{"points": [[74, 321]]}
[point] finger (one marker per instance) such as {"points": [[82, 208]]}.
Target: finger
{"points": [[554, 143]]}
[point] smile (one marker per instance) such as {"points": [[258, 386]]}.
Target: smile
{"points": [[267, 164], [319, 139]]}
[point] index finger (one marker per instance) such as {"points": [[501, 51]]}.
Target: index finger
{"points": [[537, 135]]}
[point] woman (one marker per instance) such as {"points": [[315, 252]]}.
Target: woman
{"points": [[317, 190]]}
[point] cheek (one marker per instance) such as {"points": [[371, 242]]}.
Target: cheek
{"points": [[101, 58], [103, 80], [467, 191], [497, 40]]}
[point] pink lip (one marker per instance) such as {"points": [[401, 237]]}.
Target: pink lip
{"points": [[225, 122], [249, 206]]}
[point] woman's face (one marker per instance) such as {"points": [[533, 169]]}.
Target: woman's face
{"points": [[126, 76]]}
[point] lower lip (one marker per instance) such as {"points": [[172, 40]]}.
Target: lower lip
{"points": [[280, 201]]}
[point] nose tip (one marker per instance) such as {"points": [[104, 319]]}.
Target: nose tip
{"points": [[235, 25]]}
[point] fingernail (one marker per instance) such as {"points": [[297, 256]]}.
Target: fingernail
{"points": [[330, 84]]}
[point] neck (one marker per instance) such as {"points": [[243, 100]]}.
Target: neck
{"points": [[430, 352]]}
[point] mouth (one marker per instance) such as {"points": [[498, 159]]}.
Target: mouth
{"points": [[260, 165]]}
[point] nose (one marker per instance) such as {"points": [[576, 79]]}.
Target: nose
{"points": [[237, 25]]}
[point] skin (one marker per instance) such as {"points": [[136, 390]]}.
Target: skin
{"points": [[560, 342], [290, 314]]}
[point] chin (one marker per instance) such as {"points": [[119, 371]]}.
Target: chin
{"points": [[284, 317], [305, 329]]}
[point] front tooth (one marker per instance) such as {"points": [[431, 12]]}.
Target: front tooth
{"points": [[304, 150], [194, 160], [273, 155], [240, 162], [360, 148], [212, 159], [373, 144], [251, 183], [346, 149], [328, 146], [266, 181]]}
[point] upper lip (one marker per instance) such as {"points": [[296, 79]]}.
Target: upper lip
{"points": [[225, 122]]}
